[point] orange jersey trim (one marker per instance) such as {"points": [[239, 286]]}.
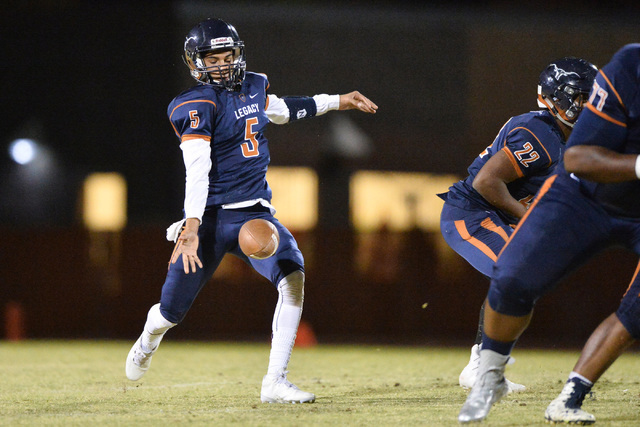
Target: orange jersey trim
{"points": [[464, 233], [615, 92], [192, 136], [513, 161], [267, 79], [543, 190], [606, 116], [180, 105]]}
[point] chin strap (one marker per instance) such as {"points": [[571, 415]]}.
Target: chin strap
{"points": [[559, 117], [545, 103]]}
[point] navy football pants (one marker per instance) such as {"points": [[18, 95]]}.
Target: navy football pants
{"points": [[476, 235], [561, 231], [218, 236]]}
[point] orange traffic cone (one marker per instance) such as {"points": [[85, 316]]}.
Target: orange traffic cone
{"points": [[306, 337], [14, 321]]}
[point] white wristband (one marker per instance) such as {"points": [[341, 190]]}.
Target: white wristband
{"points": [[638, 166]]}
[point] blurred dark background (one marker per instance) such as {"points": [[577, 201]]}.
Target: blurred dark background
{"points": [[91, 81]]}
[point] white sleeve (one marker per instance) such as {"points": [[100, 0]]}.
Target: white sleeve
{"points": [[326, 103], [277, 111], [197, 161]]}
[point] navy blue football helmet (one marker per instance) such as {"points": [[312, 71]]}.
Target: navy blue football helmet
{"points": [[215, 36], [564, 86]]}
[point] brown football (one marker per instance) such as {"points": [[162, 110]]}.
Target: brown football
{"points": [[258, 239]]}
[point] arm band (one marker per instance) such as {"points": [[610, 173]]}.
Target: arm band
{"points": [[300, 107], [638, 166]]}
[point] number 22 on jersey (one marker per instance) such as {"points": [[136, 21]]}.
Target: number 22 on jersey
{"points": [[526, 155]]}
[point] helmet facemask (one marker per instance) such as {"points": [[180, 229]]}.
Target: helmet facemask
{"points": [[565, 103], [228, 76]]}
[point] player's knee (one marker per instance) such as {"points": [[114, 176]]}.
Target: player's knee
{"points": [[158, 321], [629, 317], [172, 315], [511, 297], [292, 288]]}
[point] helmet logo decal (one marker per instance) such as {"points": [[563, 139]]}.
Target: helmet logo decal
{"points": [[559, 72], [222, 40], [187, 41]]}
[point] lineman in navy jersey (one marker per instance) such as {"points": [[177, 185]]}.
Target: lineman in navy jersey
{"points": [[480, 212], [592, 202], [220, 124]]}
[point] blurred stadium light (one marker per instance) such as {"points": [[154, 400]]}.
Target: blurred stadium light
{"points": [[295, 196], [32, 187], [397, 200], [23, 150], [105, 202]]}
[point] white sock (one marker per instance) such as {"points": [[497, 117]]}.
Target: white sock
{"points": [[490, 359], [285, 321], [154, 329], [281, 348]]}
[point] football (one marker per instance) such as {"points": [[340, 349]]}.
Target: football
{"points": [[258, 239]]}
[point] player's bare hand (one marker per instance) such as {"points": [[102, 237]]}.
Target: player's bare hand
{"points": [[357, 101], [187, 247]]}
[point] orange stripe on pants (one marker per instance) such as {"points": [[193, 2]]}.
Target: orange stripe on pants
{"points": [[632, 280], [462, 229], [491, 226]]}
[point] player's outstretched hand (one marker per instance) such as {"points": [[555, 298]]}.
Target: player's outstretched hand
{"points": [[188, 247], [357, 101]]}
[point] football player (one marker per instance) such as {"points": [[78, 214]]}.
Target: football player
{"points": [[481, 211], [592, 201], [220, 124]]}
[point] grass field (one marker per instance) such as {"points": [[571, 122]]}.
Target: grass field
{"points": [[83, 383]]}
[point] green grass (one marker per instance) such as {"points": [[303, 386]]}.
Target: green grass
{"points": [[83, 383]]}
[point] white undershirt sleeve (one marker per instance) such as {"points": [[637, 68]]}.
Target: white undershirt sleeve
{"points": [[197, 161], [326, 103], [277, 112]]}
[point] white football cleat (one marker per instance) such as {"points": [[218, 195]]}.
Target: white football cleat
{"points": [[566, 408], [468, 375], [488, 390], [138, 361], [277, 389]]}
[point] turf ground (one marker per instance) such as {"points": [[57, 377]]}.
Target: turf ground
{"points": [[83, 383]]}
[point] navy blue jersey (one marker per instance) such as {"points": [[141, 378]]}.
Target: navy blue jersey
{"points": [[233, 122], [534, 144], [612, 120]]}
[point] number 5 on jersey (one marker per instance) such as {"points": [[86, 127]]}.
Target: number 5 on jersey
{"points": [[250, 146]]}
